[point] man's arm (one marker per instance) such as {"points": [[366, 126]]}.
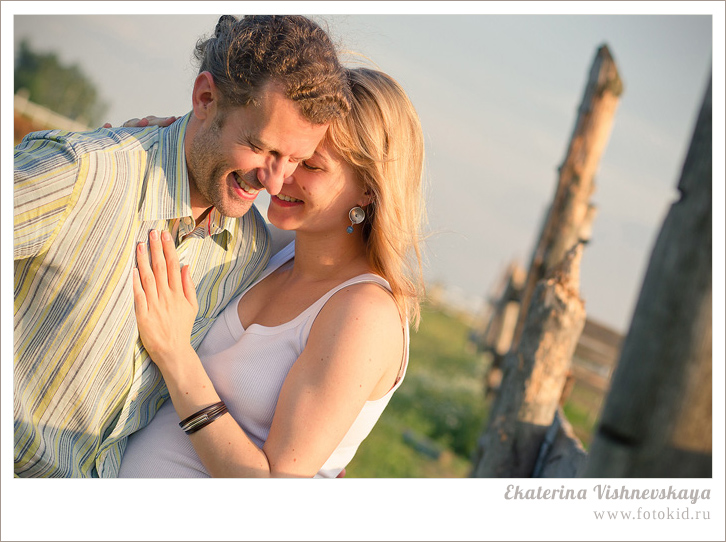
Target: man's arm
{"points": [[46, 169]]}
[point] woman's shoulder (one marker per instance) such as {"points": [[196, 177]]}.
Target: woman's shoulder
{"points": [[363, 302], [361, 330]]}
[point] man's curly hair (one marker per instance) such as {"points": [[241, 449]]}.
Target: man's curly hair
{"points": [[292, 50]]}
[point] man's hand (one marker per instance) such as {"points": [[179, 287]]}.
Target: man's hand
{"points": [[151, 120]]}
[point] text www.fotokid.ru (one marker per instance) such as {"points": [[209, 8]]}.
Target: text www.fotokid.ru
{"points": [[646, 514]]}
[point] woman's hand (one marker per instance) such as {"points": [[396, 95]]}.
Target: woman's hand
{"points": [[151, 120], [165, 300]]}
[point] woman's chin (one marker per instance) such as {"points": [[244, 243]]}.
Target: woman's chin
{"points": [[281, 224]]}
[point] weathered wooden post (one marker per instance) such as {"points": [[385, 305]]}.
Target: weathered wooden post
{"points": [[497, 336], [570, 216], [657, 417], [534, 375], [551, 315]]}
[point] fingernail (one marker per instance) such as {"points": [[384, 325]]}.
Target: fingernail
{"points": [[141, 247], [154, 235], [166, 236]]}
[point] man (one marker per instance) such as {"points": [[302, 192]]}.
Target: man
{"points": [[266, 91]]}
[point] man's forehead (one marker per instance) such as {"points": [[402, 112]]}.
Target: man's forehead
{"points": [[284, 140]]}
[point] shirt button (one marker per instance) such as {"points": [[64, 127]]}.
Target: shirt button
{"points": [[187, 220]]}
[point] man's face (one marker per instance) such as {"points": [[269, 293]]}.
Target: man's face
{"points": [[243, 150]]}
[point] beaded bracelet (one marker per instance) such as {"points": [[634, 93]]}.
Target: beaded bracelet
{"points": [[203, 418]]}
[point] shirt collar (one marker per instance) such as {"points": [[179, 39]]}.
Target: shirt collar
{"points": [[213, 224]]}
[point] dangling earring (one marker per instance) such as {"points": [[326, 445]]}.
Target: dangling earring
{"points": [[356, 215]]}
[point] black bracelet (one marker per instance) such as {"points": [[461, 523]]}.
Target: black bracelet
{"points": [[203, 418]]}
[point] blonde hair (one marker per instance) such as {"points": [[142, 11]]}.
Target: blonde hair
{"points": [[382, 140]]}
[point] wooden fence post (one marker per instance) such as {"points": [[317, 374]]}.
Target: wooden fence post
{"points": [[551, 315], [570, 216], [657, 417], [496, 339], [534, 376]]}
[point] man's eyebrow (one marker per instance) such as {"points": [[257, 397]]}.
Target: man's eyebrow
{"points": [[257, 142]]}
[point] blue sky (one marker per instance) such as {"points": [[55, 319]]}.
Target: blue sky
{"points": [[497, 86]]}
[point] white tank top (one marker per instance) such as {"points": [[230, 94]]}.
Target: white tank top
{"points": [[248, 368]]}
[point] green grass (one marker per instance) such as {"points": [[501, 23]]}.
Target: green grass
{"points": [[583, 423], [433, 421]]}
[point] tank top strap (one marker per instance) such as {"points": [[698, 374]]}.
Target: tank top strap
{"points": [[316, 307]]}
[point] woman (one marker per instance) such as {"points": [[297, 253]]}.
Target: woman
{"points": [[294, 373]]}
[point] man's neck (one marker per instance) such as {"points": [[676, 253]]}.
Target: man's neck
{"points": [[199, 217], [200, 207]]}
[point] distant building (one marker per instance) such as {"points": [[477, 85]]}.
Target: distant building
{"points": [[596, 354], [593, 363]]}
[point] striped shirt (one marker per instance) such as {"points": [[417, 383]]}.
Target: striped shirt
{"points": [[83, 381]]}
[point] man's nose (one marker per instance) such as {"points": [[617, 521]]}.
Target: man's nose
{"points": [[289, 169], [275, 173], [272, 174]]}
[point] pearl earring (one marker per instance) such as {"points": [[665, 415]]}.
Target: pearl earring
{"points": [[356, 215]]}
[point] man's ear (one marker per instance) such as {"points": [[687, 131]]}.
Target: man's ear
{"points": [[205, 96]]}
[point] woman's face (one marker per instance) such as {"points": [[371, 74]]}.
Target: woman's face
{"points": [[318, 195]]}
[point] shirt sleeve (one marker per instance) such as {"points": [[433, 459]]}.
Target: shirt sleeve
{"points": [[46, 172]]}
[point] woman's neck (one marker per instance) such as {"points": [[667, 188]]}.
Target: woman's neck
{"points": [[326, 257]]}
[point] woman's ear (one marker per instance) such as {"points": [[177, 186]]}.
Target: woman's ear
{"points": [[205, 96], [366, 199]]}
